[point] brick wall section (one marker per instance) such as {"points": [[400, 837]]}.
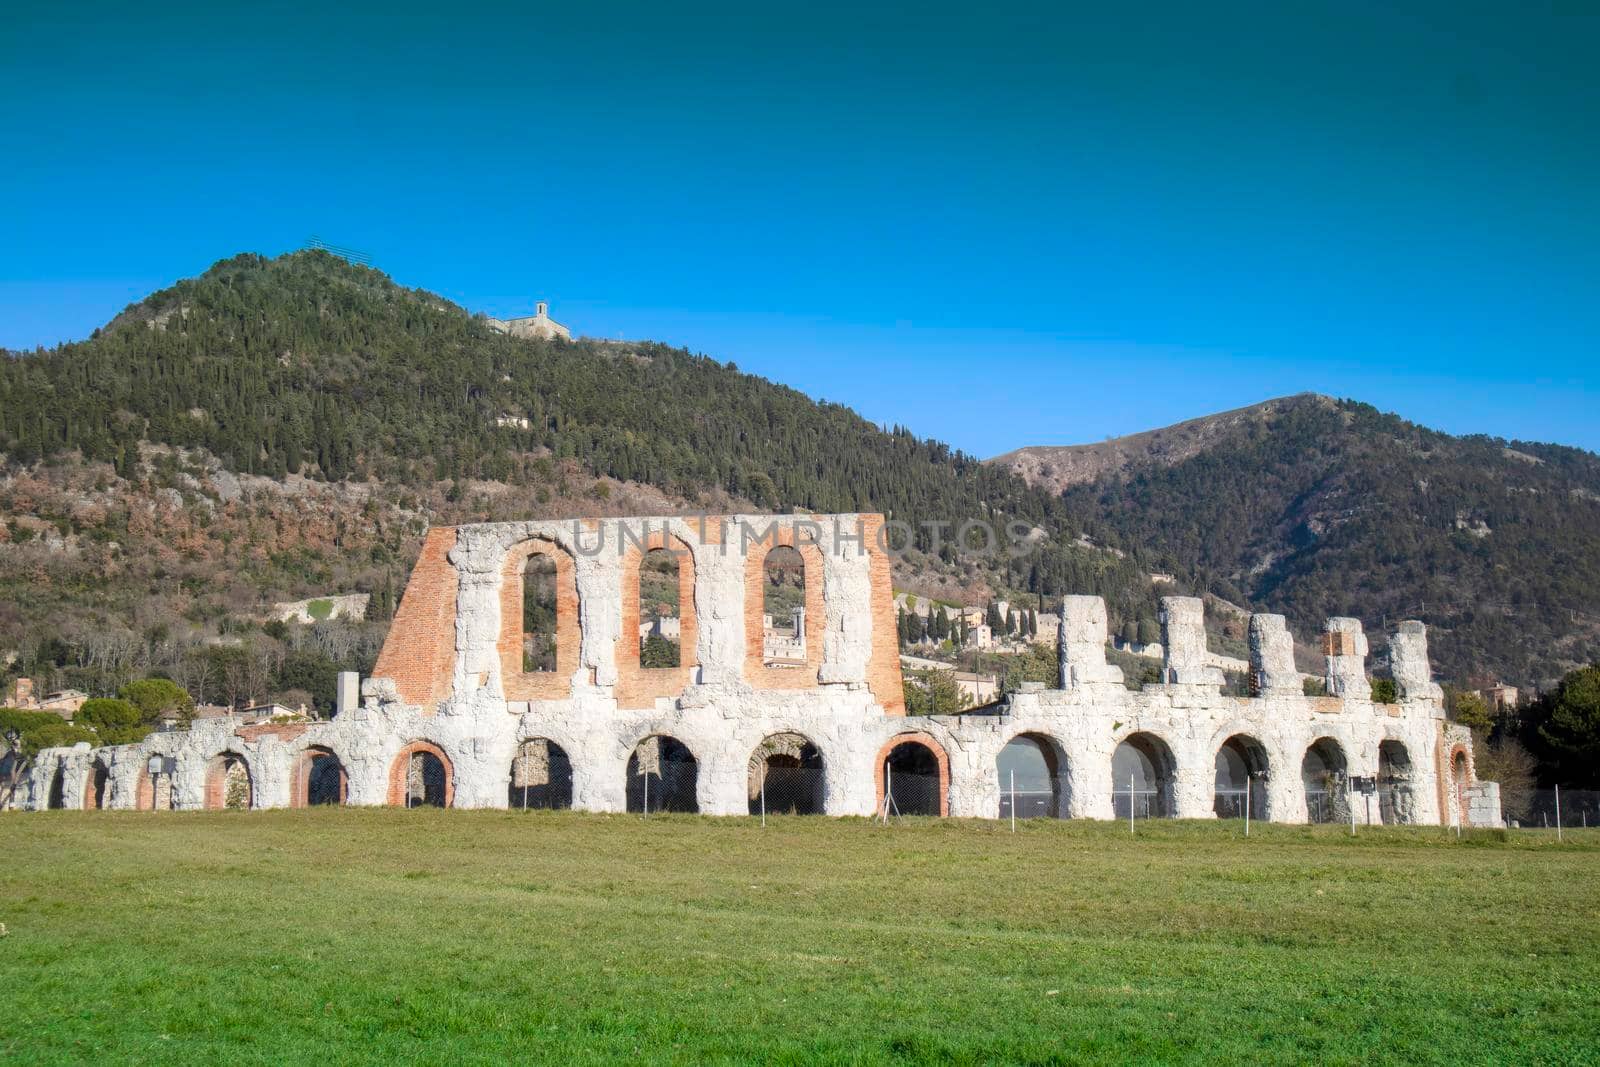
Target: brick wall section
{"points": [[637, 687], [400, 770], [145, 794], [755, 578], [883, 667], [97, 779], [420, 651], [938, 754], [537, 685]]}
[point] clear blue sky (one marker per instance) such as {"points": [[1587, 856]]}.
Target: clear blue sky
{"points": [[997, 225]]}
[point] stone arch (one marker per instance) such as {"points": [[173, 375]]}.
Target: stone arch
{"points": [[639, 686], [96, 786], [914, 767], [229, 782], [541, 776], [518, 683], [1040, 767], [319, 778], [56, 793], [1460, 780], [1397, 805], [807, 660], [1323, 773], [1241, 777], [422, 776], [1143, 776], [787, 775], [662, 776]]}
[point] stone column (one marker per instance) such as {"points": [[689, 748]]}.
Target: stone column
{"points": [[1083, 644], [1183, 643], [1344, 648], [1272, 670], [1408, 660]]}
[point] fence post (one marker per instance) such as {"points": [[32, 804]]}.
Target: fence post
{"points": [[1350, 802], [1130, 802], [1247, 805], [763, 801], [1558, 813], [1013, 801], [647, 795]]}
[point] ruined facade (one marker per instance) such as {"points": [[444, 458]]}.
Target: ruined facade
{"points": [[465, 707]]}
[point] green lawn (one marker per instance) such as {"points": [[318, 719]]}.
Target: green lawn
{"points": [[445, 937]]}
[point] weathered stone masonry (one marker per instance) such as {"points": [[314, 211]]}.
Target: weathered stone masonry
{"points": [[449, 686]]}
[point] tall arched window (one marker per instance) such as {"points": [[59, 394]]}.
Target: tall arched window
{"points": [[539, 614], [660, 614], [663, 775], [783, 608]]}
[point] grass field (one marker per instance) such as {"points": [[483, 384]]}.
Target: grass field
{"points": [[445, 937]]}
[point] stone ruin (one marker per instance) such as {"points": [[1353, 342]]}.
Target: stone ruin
{"points": [[452, 705]]}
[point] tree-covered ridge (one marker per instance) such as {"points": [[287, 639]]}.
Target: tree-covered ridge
{"points": [[1336, 509]]}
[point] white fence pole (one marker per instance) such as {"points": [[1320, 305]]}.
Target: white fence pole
{"points": [[1558, 813], [1247, 805], [1013, 801], [1130, 803]]}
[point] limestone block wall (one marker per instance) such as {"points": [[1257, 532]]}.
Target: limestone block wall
{"points": [[451, 683]]}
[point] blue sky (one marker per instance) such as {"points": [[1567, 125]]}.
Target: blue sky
{"points": [[999, 225]]}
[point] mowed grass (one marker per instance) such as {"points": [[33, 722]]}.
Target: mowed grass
{"points": [[456, 936]]}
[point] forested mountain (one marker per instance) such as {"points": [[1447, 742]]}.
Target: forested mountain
{"points": [[1317, 507], [153, 471]]}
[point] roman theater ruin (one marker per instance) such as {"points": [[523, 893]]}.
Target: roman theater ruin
{"points": [[525, 668]]}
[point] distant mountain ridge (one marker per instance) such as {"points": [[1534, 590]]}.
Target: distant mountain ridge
{"points": [[1059, 467], [1313, 507]]}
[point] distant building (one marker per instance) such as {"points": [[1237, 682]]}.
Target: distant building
{"points": [[64, 702], [538, 325], [1501, 697]]}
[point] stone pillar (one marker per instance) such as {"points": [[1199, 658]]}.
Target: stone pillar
{"points": [[1272, 670], [1083, 644], [349, 692], [1344, 648], [1183, 643], [1408, 660]]}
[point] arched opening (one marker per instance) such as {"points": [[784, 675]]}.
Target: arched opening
{"points": [[541, 777], [663, 775], [229, 783], [783, 608], [915, 778], [56, 799], [1033, 776], [321, 778], [660, 619], [786, 776], [539, 584], [1396, 804], [1322, 772], [1241, 778], [421, 777], [1142, 775], [1459, 775], [96, 787]]}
